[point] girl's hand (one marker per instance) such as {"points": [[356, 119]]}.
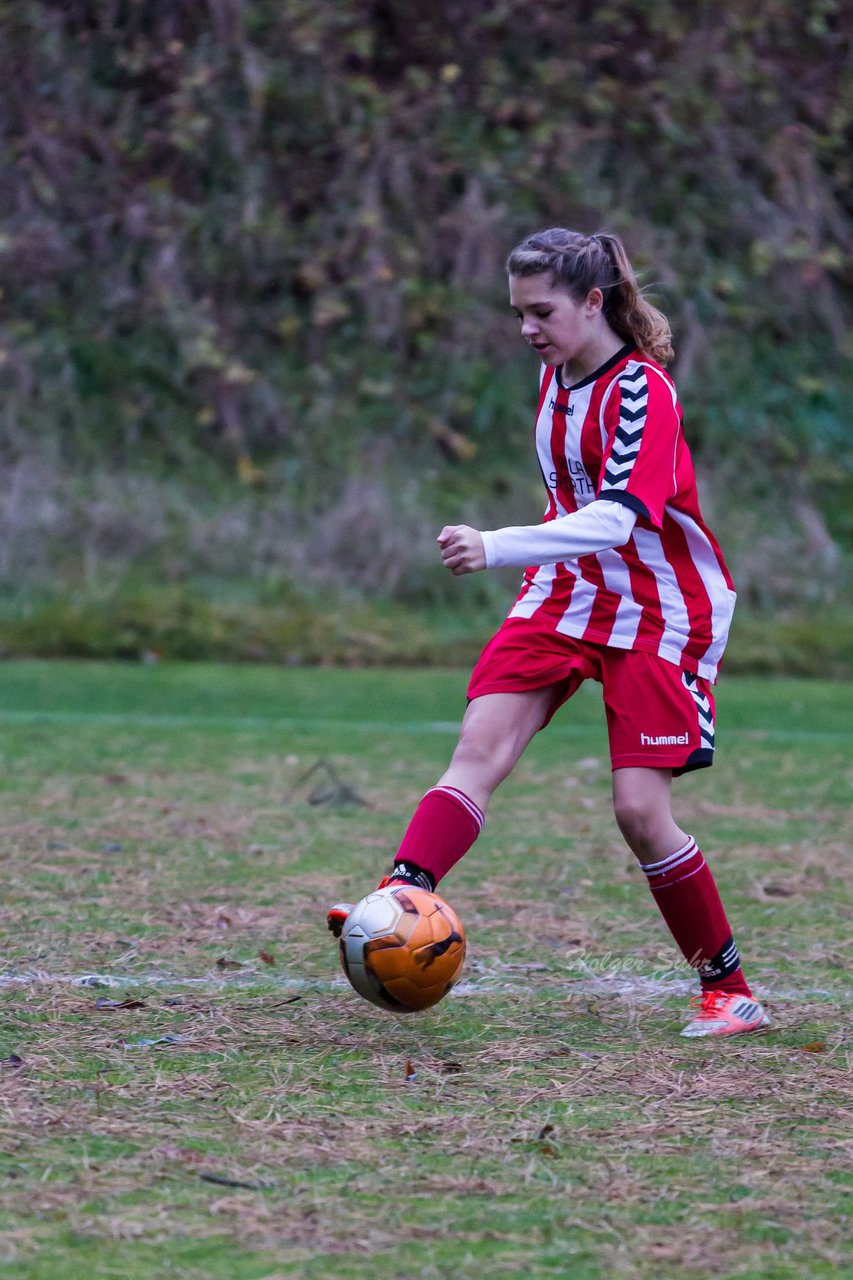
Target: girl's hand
{"points": [[461, 549]]}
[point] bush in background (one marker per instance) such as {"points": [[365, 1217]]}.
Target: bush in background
{"points": [[255, 344]]}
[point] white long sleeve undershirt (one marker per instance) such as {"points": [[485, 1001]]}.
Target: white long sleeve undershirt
{"points": [[598, 526]]}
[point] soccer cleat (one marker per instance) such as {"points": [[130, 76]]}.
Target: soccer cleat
{"points": [[723, 1014], [336, 916]]}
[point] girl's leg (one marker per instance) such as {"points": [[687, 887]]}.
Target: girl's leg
{"points": [[642, 800], [678, 876], [495, 731]]}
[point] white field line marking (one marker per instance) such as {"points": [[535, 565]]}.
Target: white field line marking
{"points": [[492, 982], [147, 720], [113, 981]]}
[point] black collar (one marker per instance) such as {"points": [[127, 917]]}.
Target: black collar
{"points": [[584, 382]]}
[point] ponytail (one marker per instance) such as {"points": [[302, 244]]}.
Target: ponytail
{"points": [[580, 263]]}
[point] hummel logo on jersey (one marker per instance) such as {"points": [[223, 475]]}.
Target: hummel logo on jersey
{"points": [[665, 740], [567, 409]]}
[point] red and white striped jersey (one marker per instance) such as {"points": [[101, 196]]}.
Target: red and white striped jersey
{"points": [[618, 434]]}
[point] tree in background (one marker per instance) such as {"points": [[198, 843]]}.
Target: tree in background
{"points": [[268, 238]]}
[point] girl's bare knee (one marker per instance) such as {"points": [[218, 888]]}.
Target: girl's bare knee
{"points": [[637, 822], [491, 759]]}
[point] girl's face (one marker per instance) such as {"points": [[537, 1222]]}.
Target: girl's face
{"points": [[552, 322]]}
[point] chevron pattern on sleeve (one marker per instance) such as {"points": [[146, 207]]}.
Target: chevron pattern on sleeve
{"points": [[703, 706], [634, 392]]}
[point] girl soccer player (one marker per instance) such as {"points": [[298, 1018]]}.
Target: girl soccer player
{"points": [[628, 588]]}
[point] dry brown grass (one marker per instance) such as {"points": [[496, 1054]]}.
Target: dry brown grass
{"points": [[548, 1113]]}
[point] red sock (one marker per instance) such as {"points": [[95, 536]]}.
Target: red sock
{"points": [[687, 896], [443, 827]]}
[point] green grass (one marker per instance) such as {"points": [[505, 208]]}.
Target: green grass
{"points": [[247, 1116]]}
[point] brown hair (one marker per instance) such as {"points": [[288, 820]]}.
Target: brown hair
{"points": [[579, 263]]}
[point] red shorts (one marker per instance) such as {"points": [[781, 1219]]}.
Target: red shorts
{"points": [[658, 716]]}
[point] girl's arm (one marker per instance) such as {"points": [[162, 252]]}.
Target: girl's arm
{"points": [[598, 526]]}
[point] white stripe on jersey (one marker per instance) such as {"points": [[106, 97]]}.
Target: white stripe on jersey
{"points": [[540, 589], [579, 405], [675, 616], [579, 402], [575, 620], [617, 578], [719, 593], [536, 595]]}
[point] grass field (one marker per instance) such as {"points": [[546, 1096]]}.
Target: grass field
{"points": [[190, 1089]]}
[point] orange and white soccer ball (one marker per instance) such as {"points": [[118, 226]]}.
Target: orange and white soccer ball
{"points": [[402, 948]]}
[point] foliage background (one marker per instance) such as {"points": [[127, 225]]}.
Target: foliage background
{"points": [[255, 343]]}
